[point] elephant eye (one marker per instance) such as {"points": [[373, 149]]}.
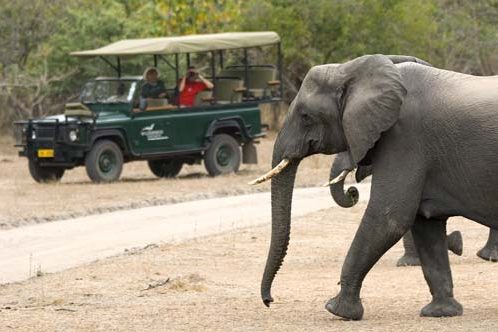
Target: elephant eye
{"points": [[306, 118]]}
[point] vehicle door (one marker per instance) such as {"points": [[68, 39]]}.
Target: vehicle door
{"points": [[151, 132]]}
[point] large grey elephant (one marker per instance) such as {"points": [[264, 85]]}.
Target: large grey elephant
{"points": [[342, 165], [431, 138]]}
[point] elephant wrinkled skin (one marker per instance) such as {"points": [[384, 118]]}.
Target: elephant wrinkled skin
{"points": [[427, 134]]}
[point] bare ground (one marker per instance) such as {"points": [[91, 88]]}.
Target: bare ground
{"points": [[212, 284], [22, 201]]}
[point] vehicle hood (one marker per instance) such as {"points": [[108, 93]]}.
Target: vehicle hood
{"points": [[62, 118]]}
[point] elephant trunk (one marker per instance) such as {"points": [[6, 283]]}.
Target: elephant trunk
{"points": [[343, 198], [282, 187]]}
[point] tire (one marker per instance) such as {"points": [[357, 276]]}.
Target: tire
{"points": [[165, 168], [104, 162], [45, 174], [223, 155]]}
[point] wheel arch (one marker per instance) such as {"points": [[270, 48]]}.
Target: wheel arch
{"points": [[234, 126], [115, 135]]}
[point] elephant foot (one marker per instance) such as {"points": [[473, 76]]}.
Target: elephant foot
{"points": [[489, 253], [447, 307], [347, 308], [408, 260], [455, 243]]}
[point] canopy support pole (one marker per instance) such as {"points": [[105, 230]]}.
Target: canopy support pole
{"points": [[167, 62], [188, 60], [176, 68], [280, 72], [113, 66], [177, 82], [246, 73], [155, 60], [119, 66], [221, 59], [213, 66]]}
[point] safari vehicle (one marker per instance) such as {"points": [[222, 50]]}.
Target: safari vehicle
{"points": [[107, 126]]}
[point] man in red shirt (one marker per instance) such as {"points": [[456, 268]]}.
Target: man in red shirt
{"points": [[190, 85]]}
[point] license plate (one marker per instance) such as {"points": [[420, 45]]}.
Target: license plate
{"points": [[46, 153]]}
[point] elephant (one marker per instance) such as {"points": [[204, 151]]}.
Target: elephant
{"points": [[348, 198], [428, 135]]}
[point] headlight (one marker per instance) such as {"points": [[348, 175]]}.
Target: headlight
{"points": [[73, 135]]}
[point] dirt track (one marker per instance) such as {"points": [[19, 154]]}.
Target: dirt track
{"points": [[212, 284], [55, 246]]}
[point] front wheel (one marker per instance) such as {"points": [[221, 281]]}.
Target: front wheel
{"points": [[45, 174], [165, 168], [104, 162], [222, 156]]}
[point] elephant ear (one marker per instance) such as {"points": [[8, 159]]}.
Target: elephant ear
{"points": [[370, 100]]}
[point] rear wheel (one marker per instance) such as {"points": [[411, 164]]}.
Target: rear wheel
{"points": [[223, 155], [165, 168], [45, 174], [104, 162]]}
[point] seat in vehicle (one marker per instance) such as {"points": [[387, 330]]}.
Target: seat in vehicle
{"points": [[261, 78], [228, 89]]}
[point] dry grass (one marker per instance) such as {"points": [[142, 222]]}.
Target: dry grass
{"points": [[22, 201], [212, 284]]}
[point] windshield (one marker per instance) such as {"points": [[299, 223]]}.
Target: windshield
{"points": [[108, 91]]}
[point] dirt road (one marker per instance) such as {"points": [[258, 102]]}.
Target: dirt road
{"points": [[55, 246], [212, 284]]}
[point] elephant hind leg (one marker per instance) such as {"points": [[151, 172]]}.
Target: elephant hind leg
{"points": [[431, 242], [410, 257]]}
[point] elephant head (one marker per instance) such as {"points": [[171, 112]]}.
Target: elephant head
{"points": [[338, 108]]}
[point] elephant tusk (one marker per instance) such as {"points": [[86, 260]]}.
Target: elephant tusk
{"points": [[276, 170], [337, 179]]}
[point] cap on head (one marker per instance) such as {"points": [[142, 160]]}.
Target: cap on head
{"points": [[149, 70]]}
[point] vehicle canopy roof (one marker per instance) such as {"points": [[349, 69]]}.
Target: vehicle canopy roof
{"points": [[184, 44]]}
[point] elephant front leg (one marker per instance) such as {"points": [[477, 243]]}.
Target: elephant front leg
{"points": [[376, 234], [490, 250], [431, 242]]}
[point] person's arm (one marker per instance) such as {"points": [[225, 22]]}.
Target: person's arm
{"points": [[206, 82], [182, 84], [162, 89]]}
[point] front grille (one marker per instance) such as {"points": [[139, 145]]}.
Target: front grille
{"points": [[45, 132]]}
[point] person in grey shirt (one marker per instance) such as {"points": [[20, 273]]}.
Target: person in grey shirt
{"points": [[153, 86]]}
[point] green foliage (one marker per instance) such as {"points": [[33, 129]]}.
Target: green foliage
{"points": [[323, 31], [37, 74]]}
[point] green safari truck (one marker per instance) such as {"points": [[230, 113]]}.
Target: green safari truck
{"points": [[111, 124]]}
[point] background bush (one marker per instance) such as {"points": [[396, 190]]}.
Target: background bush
{"points": [[37, 75]]}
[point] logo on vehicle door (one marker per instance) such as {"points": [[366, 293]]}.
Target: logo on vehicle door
{"points": [[153, 135]]}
